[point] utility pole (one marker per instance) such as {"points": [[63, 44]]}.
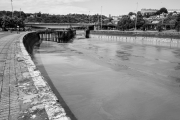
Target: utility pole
{"points": [[136, 18], [97, 21], [101, 17], [12, 8], [20, 12], [89, 16]]}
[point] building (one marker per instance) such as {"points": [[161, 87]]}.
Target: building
{"points": [[172, 10], [152, 11], [148, 11]]}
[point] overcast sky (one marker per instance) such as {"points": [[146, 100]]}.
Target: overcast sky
{"points": [[113, 7]]}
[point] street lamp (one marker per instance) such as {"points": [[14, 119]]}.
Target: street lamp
{"points": [[89, 16], [20, 12], [136, 18], [12, 8], [101, 17]]}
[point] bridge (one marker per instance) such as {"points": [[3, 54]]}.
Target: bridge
{"points": [[58, 25]]}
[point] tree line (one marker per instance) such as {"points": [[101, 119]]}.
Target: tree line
{"points": [[48, 18], [19, 18], [69, 18], [12, 22], [127, 22]]}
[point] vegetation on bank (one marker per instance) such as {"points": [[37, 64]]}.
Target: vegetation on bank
{"points": [[126, 22], [8, 23], [48, 18], [161, 18], [19, 18], [177, 24]]}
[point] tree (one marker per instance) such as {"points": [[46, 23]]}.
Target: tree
{"points": [[131, 13], [139, 14], [163, 10], [140, 22], [1, 22], [177, 24], [159, 27], [6, 22], [38, 14], [125, 23], [158, 13]]}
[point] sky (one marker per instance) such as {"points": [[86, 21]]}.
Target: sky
{"points": [[113, 7]]}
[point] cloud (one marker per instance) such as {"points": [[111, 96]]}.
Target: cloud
{"points": [[44, 6]]}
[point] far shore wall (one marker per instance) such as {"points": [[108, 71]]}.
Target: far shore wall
{"points": [[173, 35]]}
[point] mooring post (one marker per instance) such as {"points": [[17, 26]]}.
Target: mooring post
{"points": [[53, 37], [46, 36], [58, 37], [42, 36], [50, 36]]}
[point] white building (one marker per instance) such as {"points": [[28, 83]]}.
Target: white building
{"points": [[148, 11], [172, 10], [152, 11]]}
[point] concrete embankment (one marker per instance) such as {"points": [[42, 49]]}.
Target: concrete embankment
{"points": [[24, 93], [173, 35], [149, 38], [47, 99]]}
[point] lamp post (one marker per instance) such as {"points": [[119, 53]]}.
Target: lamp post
{"points": [[20, 12], [101, 17], [136, 18], [12, 8], [89, 16]]}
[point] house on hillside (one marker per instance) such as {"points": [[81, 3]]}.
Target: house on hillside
{"points": [[107, 24]]}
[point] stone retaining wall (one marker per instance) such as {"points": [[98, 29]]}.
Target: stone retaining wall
{"points": [[44, 98]]}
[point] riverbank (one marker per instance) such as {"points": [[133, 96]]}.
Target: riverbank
{"points": [[172, 35]]}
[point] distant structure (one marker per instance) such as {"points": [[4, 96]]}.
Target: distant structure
{"points": [[148, 11], [116, 17], [152, 11], [172, 10]]}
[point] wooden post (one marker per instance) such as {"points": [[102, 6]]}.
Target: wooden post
{"points": [[58, 37]]}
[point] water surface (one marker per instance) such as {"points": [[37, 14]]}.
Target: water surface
{"points": [[107, 80]]}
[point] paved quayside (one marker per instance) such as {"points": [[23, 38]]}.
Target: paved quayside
{"points": [[24, 95]]}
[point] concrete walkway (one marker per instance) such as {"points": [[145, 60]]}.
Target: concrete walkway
{"points": [[9, 106], [24, 95]]}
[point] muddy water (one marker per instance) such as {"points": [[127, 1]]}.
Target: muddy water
{"points": [[106, 80]]}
